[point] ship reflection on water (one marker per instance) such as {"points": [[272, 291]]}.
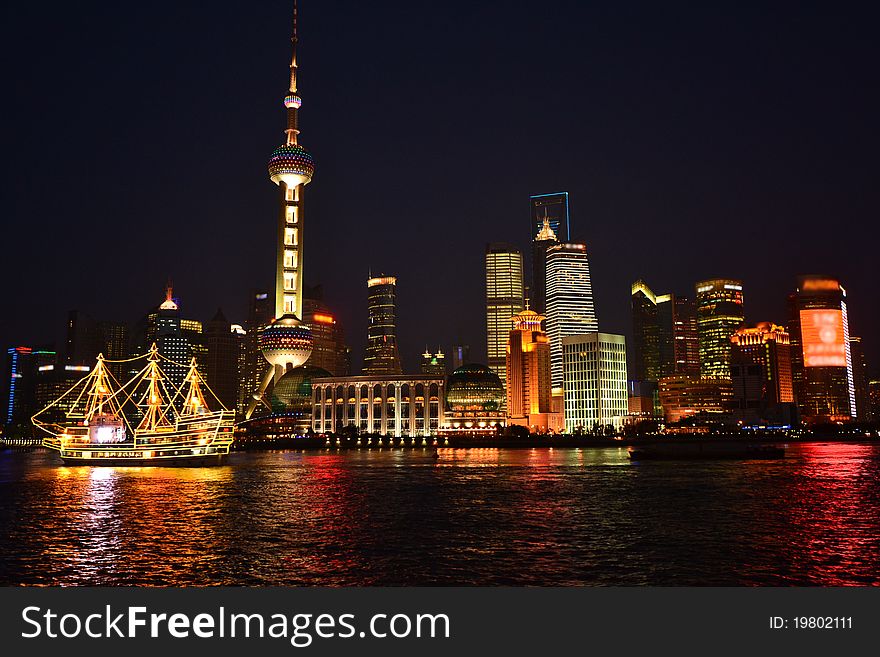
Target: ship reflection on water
{"points": [[482, 516]]}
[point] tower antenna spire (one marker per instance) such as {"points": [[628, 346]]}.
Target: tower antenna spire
{"points": [[293, 39]]}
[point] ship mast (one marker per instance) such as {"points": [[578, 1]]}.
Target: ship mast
{"points": [[194, 401], [100, 392], [154, 415]]}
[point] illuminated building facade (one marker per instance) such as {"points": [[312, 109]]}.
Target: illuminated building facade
{"points": [[685, 396], [504, 299], [286, 343], [528, 373], [760, 373], [821, 359], [433, 364], [554, 208], [382, 355], [399, 406], [328, 337], [719, 316], [474, 399], [542, 240], [595, 382], [570, 308], [860, 379]]}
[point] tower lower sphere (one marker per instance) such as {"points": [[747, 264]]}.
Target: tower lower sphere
{"points": [[286, 342]]}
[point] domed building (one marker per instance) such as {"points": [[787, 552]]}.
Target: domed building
{"points": [[290, 399], [474, 396], [292, 394]]}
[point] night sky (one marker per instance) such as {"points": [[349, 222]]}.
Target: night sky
{"points": [[695, 142]]}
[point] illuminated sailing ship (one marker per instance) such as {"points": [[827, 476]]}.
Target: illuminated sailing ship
{"points": [[146, 421]]}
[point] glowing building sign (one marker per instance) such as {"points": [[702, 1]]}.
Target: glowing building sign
{"points": [[823, 337]]}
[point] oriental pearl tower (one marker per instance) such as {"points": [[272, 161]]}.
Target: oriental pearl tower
{"points": [[287, 343]]}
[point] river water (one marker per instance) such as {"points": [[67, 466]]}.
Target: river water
{"points": [[471, 517]]}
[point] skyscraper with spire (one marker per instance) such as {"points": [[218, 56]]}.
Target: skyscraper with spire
{"points": [[286, 342]]}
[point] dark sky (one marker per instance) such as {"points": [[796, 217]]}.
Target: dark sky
{"points": [[695, 141]]}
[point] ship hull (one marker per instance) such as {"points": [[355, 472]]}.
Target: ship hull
{"points": [[163, 462]]}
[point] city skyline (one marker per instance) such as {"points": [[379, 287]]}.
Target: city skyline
{"points": [[226, 270]]}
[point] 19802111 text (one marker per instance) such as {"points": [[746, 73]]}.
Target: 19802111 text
{"points": [[811, 623]]}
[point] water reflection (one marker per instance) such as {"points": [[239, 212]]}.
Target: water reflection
{"points": [[480, 516]]}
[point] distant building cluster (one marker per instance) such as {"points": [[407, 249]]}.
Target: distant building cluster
{"points": [[697, 362]]}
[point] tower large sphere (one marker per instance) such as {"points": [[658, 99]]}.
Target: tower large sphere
{"points": [[286, 342], [291, 164]]}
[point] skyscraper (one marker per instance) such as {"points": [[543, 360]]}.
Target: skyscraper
{"points": [[461, 355], [554, 208], [220, 361], [860, 379], [570, 309], [328, 337], [594, 366], [544, 239], [382, 355], [260, 311], [761, 372], [719, 316], [821, 358], [87, 337], [504, 299], [20, 386], [433, 364], [646, 333], [528, 367], [679, 338], [287, 343]]}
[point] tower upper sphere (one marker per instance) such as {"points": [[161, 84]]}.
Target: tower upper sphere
{"points": [[291, 164]]}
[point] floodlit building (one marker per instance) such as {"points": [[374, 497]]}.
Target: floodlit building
{"points": [[570, 308], [684, 396], [529, 401], [719, 316], [760, 374], [474, 398], [382, 355], [822, 364], [504, 299], [388, 405], [595, 382]]}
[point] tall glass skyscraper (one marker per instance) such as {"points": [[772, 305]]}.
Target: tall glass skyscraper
{"points": [[719, 316], [822, 365], [554, 208], [382, 356], [504, 299], [570, 309]]}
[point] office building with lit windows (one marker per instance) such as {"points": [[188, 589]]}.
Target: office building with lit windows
{"points": [[570, 308], [382, 355], [760, 373], [504, 299], [387, 405], [719, 316], [595, 382], [822, 366], [691, 397]]}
